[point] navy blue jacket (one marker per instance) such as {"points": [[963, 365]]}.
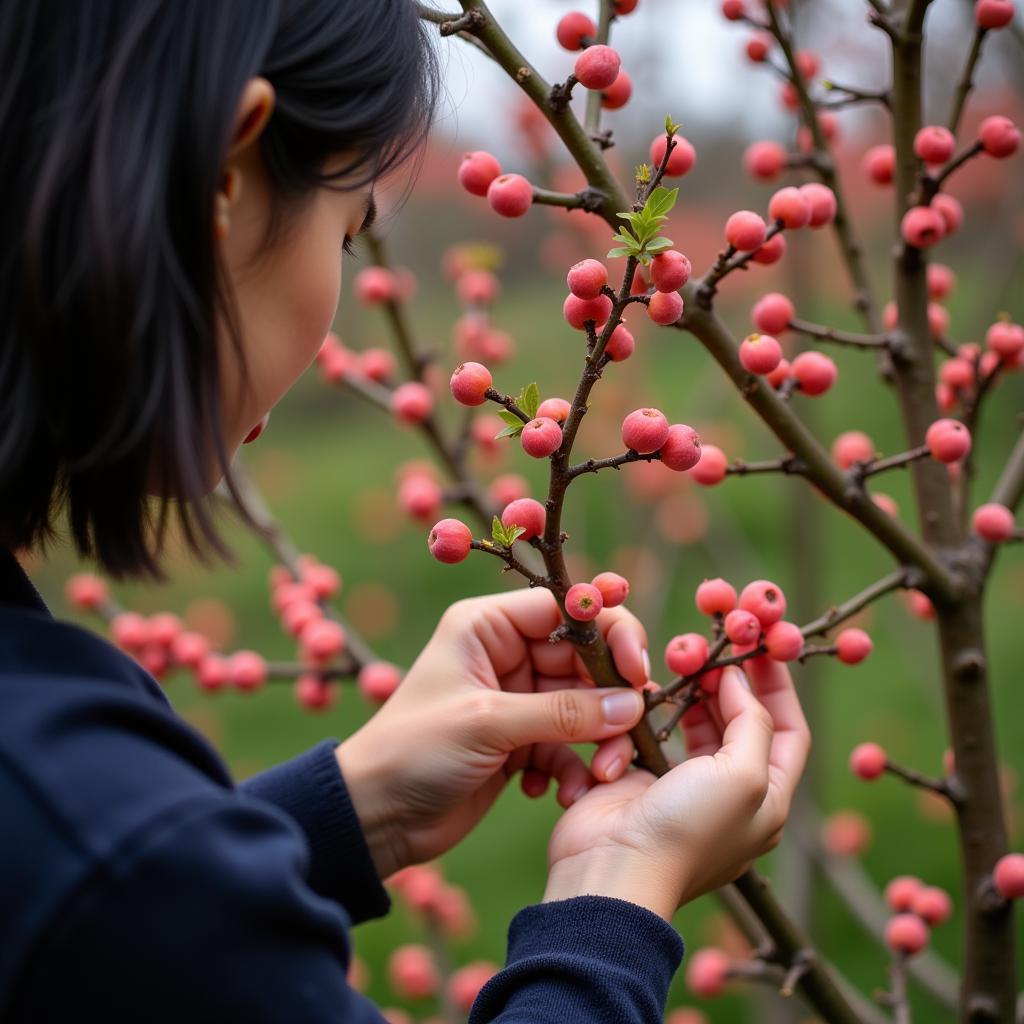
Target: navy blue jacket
{"points": [[139, 883]]}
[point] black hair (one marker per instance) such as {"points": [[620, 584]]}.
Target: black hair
{"points": [[115, 122]]}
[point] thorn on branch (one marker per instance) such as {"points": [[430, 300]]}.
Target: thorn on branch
{"points": [[799, 966]]}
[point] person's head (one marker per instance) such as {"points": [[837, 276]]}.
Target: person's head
{"points": [[177, 180]]}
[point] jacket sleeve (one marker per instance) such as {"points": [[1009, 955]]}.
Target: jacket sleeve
{"points": [[580, 960], [204, 916], [310, 788]]}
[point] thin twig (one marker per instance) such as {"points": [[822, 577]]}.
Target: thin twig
{"points": [[861, 470], [851, 338], [511, 562], [966, 82]]}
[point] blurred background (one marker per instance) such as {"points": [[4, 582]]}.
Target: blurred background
{"points": [[326, 465]]}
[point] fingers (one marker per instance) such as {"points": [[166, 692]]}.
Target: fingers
{"points": [[561, 763], [747, 739], [501, 722], [534, 783], [612, 758], [700, 732], [791, 742], [627, 640], [512, 625], [503, 624]]}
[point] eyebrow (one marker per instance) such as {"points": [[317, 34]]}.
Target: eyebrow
{"points": [[370, 216]]}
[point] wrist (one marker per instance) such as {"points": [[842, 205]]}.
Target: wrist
{"points": [[623, 875], [366, 783]]}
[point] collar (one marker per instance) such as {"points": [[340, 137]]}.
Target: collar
{"points": [[15, 586]]}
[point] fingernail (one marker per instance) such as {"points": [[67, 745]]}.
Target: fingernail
{"points": [[619, 708], [742, 677], [647, 664], [613, 770], [581, 792]]}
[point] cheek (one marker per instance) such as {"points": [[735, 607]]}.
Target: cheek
{"points": [[310, 295]]}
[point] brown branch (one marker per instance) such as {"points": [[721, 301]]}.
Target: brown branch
{"points": [[966, 82], [512, 564], [900, 579], [287, 553], [415, 362], [932, 183], [730, 259], [854, 887], [592, 116], [972, 415], [819, 985], [507, 402], [1010, 489], [989, 989], [941, 786], [374, 393], [821, 333], [823, 164], [588, 199], [906, 546], [854, 95], [594, 465], [450, 455], [898, 999], [862, 470], [788, 466]]}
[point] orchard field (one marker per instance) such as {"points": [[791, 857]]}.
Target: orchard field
{"points": [[326, 466]]}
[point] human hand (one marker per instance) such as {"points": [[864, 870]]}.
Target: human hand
{"points": [[489, 696], [663, 842]]}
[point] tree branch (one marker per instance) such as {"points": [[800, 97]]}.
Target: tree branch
{"points": [[855, 888], [966, 82], [284, 550], [823, 164], [821, 470], [511, 562], [507, 402], [788, 466], [862, 470], [594, 465], [841, 337]]}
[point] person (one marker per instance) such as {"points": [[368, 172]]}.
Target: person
{"points": [[177, 181]]}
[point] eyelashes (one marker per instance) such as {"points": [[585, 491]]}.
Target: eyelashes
{"points": [[371, 216]]}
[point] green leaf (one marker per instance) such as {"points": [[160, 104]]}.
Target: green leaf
{"points": [[510, 418], [511, 431], [661, 201], [670, 128], [659, 244], [530, 401], [498, 530], [638, 220], [615, 254], [627, 239], [514, 533]]}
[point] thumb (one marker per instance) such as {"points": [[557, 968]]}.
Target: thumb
{"points": [[565, 716]]}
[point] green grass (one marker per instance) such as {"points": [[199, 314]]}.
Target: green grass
{"points": [[325, 452]]}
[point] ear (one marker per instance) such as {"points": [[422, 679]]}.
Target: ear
{"points": [[254, 110]]}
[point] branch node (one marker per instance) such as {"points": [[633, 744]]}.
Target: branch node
{"points": [[969, 666]]}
